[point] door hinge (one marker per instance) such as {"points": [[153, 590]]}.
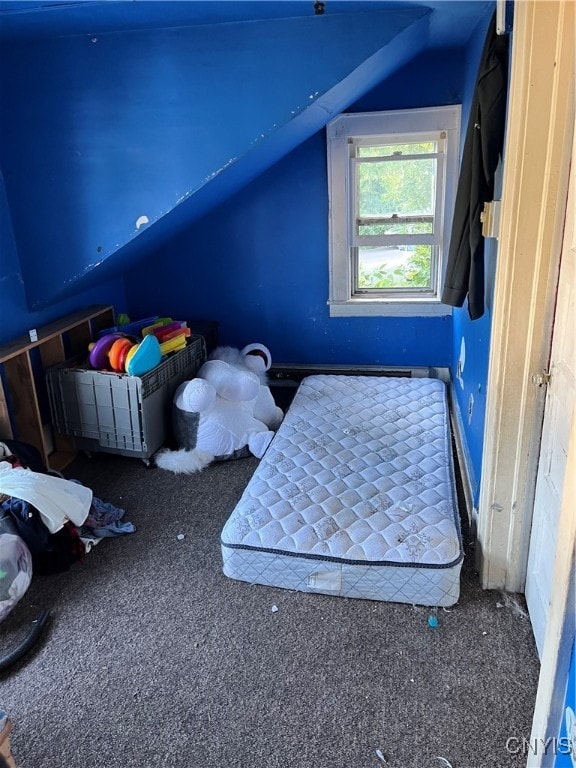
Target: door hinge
{"points": [[541, 378]]}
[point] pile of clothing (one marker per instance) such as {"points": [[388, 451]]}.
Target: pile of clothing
{"points": [[47, 523]]}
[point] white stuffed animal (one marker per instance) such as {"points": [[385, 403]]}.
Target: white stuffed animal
{"points": [[226, 412], [255, 358]]}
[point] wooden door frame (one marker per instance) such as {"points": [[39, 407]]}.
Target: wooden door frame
{"points": [[539, 145], [537, 154], [560, 629]]}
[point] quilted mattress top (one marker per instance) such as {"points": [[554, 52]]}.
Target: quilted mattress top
{"points": [[360, 471]]}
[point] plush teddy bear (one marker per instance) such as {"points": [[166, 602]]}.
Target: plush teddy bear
{"points": [[226, 412]]}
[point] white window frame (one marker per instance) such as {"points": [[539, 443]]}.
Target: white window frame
{"points": [[392, 127]]}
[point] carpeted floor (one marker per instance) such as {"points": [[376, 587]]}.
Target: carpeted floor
{"points": [[153, 658]]}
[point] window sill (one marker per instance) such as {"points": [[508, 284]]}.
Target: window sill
{"points": [[388, 308]]}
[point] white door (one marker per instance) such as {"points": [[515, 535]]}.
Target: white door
{"points": [[558, 416]]}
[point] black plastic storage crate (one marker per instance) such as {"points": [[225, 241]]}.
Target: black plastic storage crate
{"points": [[118, 413]]}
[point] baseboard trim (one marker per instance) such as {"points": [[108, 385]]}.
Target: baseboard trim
{"points": [[295, 372], [464, 461]]}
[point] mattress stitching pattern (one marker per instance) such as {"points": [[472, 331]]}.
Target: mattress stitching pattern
{"points": [[360, 472]]}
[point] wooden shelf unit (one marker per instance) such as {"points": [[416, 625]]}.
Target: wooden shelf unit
{"points": [[20, 412]]}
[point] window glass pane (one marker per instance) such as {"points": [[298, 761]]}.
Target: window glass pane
{"points": [[400, 227], [399, 188], [386, 150], [402, 266]]}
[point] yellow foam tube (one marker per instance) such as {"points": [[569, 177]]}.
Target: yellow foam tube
{"points": [[129, 356], [173, 345]]}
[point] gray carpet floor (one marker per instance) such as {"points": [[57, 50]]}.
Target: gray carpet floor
{"points": [[154, 658]]}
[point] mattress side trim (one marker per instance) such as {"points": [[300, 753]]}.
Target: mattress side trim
{"points": [[344, 560]]}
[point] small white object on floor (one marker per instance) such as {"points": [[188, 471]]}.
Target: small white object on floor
{"points": [[381, 757], [447, 763], [89, 542], [274, 609], [180, 537]]}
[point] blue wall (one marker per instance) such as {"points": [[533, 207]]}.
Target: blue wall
{"points": [[471, 346], [99, 131], [563, 757], [114, 127], [15, 317], [258, 264], [471, 339]]}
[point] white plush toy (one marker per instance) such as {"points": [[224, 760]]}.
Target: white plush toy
{"points": [[226, 412]]}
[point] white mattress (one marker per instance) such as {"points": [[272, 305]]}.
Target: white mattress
{"points": [[355, 496]]}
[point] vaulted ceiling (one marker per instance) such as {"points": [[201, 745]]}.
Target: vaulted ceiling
{"points": [[125, 121]]}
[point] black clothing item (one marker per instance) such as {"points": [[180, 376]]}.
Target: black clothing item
{"points": [[28, 455], [482, 150], [28, 523]]}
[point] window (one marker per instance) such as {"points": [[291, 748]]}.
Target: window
{"points": [[392, 180]]}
